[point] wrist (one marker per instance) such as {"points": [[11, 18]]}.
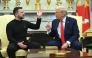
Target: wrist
{"points": [[39, 17], [69, 43]]}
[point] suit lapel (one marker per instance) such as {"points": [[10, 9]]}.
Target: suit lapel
{"points": [[66, 24]]}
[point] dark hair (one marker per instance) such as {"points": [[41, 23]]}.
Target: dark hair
{"points": [[16, 10]]}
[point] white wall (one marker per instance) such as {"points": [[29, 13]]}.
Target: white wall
{"points": [[32, 4], [44, 5]]}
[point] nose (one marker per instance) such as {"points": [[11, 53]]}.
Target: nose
{"points": [[23, 13]]}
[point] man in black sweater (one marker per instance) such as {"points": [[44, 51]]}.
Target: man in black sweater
{"points": [[17, 30]]}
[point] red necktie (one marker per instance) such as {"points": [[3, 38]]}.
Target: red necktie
{"points": [[62, 33]]}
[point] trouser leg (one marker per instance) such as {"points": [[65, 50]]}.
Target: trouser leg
{"points": [[12, 48], [33, 45], [76, 45]]}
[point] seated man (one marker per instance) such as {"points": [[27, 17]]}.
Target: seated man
{"points": [[17, 30], [70, 32]]}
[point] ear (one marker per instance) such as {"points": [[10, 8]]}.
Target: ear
{"points": [[63, 15], [16, 14]]}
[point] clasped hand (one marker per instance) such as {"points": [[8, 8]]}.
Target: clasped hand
{"points": [[20, 44], [65, 45]]}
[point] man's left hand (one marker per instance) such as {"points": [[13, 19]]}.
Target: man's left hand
{"points": [[39, 14], [65, 45]]}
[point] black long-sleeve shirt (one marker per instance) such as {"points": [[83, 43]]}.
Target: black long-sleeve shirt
{"points": [[17, 30]]}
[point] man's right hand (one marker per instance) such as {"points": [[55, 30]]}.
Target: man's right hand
{"points": [[48, 27], [20, 44]]}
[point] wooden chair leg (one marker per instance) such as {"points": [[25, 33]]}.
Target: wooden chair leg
{"points": [[87, 50], [21, 57]]}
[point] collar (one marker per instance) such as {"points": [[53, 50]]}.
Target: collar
{"points": [[64, 19], [17, 20]]}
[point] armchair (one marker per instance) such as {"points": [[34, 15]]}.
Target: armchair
{"points": [[79, 22], [4, 42]]}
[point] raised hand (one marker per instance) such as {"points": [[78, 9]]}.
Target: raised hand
{"points": [[48, 27], [39, 14]]}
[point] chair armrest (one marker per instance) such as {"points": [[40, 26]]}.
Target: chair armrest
{"points": [[81, 39], [27, 38]]}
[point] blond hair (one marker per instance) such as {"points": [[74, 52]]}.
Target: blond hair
{"points": [[62, 9]]}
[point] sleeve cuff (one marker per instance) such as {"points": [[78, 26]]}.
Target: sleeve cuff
{"points": [[69, 43], [48, 32]]}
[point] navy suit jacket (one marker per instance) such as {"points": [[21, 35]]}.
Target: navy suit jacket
{"points": [[71, 31]]}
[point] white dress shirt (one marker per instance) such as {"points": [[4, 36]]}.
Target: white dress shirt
{"points": [[58, 29]]}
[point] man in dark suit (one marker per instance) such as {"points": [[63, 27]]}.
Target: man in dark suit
{"points": [[16, 31], [71, 31]]}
